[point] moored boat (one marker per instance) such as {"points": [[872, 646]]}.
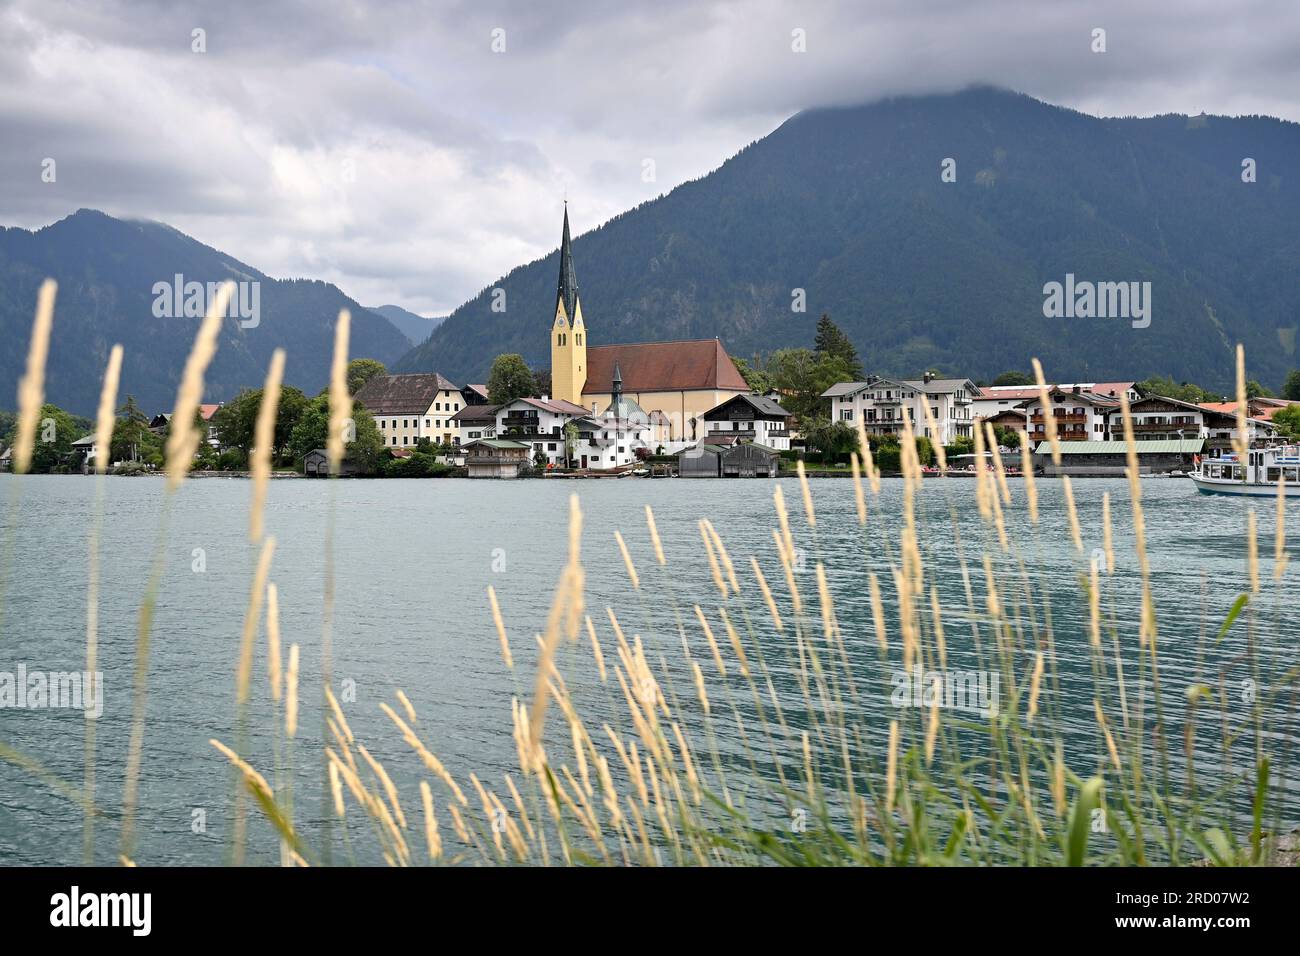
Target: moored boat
{"points": [[1258, 475]]}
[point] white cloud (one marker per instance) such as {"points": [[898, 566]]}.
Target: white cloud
{"points": [[385, 147]]}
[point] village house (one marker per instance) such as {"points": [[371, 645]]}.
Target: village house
{"points": [[407, 408], [474, 422], [497, 458], [540, 422], [749, 418], [993, 399], [158, 424], [1014, 419], [1223, 428], [680, 380], [1079, 415], [884, 404], [623, 429]]}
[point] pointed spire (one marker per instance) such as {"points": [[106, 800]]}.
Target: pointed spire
{"points": [[616, 392], [568, 285]]}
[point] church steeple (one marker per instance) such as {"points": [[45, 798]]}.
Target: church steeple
{"points": [[568, 332], [567, 292]]}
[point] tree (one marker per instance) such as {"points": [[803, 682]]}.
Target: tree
{"points": [[802, 376], [132, 440], [1186, 392], [1291, 390], [1256, 390], [1288, 421], [832, 439], [542, 382], [55, 433], [365, 451], [832, 341], [509, 379], [236, 421], [362, 370], [1014, 378], [752, 372]]}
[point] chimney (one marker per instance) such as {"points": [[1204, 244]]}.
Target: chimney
{"points": [[927, 378], [545, 398], [1078, 389]]}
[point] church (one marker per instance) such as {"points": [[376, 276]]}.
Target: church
{"points": [[674, 382]]}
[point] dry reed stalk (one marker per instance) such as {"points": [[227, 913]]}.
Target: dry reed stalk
{"points": [[595, 650], [936, 618], [723, 555], [767, 595], [654, 536], [1241, 440], [878, 613], [1279, 538], [1105, 729], [291, 694], [983, 492], [627, 560], [698, 673], [1106, 540], [385, 781], [891, 767], [251, 775], [336, 790], [431, 837], [713, 644], [1094, 607], [859, 499], [1035, 683], [273, 639], [1027, 473], [252, 612], [868, 464], [715, 568], [808, 511], [106, 417], [263, 443], [1252, 552], [183, 438], [31, 387], [1075, 534], [104, 421], [998, 471], [932, 731], [1049, 420], [406, 705], [340, 399], [427, 758], [501, 628], [933, 428]]}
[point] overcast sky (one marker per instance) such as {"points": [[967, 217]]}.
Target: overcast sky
{"points": [[386, 147]]}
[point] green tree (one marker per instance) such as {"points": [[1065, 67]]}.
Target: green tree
{"points": [[362, 370], [570, 441], [509, 379], [236, 421], [1186, 392], [1014, 378], [802, 375], [1288, 421], [833, 439], [132, 440], [1290, 391], [754, 375], [1256, 390], [366, 450], [832, 341], [55, 433]]}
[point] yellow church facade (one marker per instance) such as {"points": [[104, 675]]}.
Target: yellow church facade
{"points": [[676, 382]]}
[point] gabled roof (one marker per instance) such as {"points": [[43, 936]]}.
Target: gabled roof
{"points": [[941, 386], [476, 413], [663, 367], [480, 390], [557, 406], [761, 404], [1092, 398], [496, 443], [403, 394]]}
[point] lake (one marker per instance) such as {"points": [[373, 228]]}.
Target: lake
{"points": [[414, 560]]}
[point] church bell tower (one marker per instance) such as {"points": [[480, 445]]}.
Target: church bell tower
{"points": [[568, 334]]}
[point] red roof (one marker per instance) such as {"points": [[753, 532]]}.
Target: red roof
{"points": [[663, 367], [207, 411]]}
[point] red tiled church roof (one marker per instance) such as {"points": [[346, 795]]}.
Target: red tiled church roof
{"points": [[662, 367]]}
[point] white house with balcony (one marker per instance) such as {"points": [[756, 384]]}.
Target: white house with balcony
{"points": [[749, 418], [540, 423], [884, 404], [1079, 415], [995, 399]]}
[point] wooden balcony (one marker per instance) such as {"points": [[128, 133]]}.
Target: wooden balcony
{"points": [[1060, 419]]}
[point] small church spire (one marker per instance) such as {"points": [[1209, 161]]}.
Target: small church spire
{"points": [[616, 387], [568, 285]]}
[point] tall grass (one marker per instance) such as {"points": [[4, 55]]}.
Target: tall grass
{"points": [[749, 732]]}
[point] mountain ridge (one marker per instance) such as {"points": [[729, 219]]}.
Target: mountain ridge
{"points": [[847, 203]]}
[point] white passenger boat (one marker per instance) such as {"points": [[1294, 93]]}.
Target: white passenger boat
{"points": [[1258, 475]]}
